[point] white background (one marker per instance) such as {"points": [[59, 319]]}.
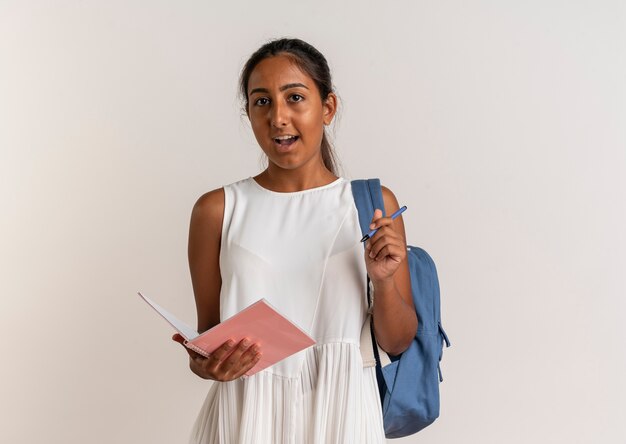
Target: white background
{"points": [[500, 124]]}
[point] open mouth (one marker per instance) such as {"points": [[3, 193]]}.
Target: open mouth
{"points": [[285, 140]]}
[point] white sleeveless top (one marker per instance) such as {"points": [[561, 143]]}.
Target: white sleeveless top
{"points": [[301, 252]]}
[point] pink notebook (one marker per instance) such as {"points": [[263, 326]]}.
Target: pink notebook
{"points": [[276, 335]]}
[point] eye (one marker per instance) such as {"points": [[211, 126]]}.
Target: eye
{"points": [[261, 101], [296, 98]]}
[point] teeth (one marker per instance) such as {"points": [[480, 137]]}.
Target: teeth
{"points": [[284, 137]]}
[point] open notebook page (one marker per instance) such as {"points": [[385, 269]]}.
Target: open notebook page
{"points": [[186, 331]]}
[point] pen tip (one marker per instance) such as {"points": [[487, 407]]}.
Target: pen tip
{"points": [[364, 238]]}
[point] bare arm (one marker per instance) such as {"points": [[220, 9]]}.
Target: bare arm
{"points": [[205, 231], [230, 361], [395, 321]]}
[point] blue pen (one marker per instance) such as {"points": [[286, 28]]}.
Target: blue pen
{"points": [[393, 216]]}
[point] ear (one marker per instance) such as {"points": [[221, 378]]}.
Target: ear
{"points": [[329, 108]]}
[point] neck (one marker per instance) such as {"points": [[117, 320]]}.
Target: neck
{"points": [[287, 181]]}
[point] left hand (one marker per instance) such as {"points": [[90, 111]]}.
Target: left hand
{"points": [[385, 251]]}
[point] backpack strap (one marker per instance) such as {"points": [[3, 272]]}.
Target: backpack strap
{"points": [[368, 195]]}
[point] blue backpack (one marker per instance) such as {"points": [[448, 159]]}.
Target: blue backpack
{"points": [[408, 383]]}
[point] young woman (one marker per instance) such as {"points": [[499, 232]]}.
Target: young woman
{"points": [[291, 235]]}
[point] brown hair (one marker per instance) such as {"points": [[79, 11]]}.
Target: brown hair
{"points": [[311, 62]]}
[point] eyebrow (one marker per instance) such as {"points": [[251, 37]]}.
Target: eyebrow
{"points": [[282, 88]]}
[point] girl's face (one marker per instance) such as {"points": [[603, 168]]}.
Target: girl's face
{"points": [[287, 114]]}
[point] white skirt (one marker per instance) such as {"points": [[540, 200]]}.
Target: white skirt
{"points": [[334, 400]]}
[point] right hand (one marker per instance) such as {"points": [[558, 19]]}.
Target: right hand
{"points": [[227, 363]]}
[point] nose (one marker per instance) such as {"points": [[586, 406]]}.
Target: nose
{"points": [[279, 114]]}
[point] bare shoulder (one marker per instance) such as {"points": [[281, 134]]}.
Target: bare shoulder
{"points": [[208, 211], [210, 205], [391, 206], [205, 227], [391, 203]]}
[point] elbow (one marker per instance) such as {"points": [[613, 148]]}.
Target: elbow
{"points": [[404, 342], [399, 347]]}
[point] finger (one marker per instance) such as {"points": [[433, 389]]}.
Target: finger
{"points": [[223, 351], [231, 363], [195, 355], [377, 215], [393, 252], [178, 338], [390, 248], [192, 354], [377, 249], [382, 222], [383, 230], [248, 360], [210, 367], [383, 236]]}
